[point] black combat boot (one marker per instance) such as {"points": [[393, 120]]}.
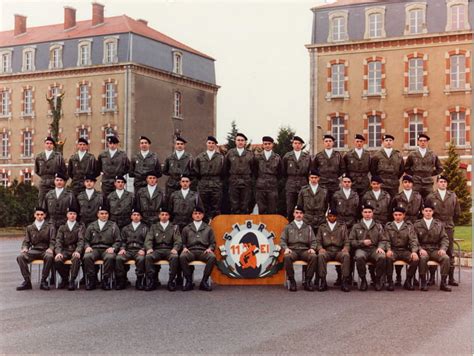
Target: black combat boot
{"points": [[91, 283], [443, 285], [205, 285], [408, 285], [339, 277], [308, 285], [398, 280], [378, 284], [423, 284], [432, 280], [25, 285], [451, 280], [416, 283], [44, 285], [72, 285], [171, 286], [106, 283], [293, 287], [139, 283], [390, 286], [150, 284], [323, 285], [346, 284], [363, 284], [63, 284], [189, 285], [121, 284]]}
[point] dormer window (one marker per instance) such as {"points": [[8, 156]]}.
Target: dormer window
{"points": [[457, 15], [28, 59], [375, 22], [6, 61], [415, 18], [84, 53], [177, 62], [338, 26], [110, 50], [56, 56]]}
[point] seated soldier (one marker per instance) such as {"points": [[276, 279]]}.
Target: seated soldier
{"points": [[69, 246], [367, 239], [38, 244], [101, 240], [162, 242], [198, 244], [434, 243], [299, 243], [401, 244], [132, 248], [332, 244]]}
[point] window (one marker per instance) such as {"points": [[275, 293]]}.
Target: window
{"points": [[415, 127], [375, 25], [4, 103], [457, 15], [177, 62], [83, 132], [56, 57], [374, 78], [416, 21], [338, 26], [27, 178], [110, 50], [415, 75], [457, 72], [337, 79], [4, 181], [28, 102], [27, 144], [109, 96], [28, 64], [5, 149], [458, 128], [6, 64], [177, 104], [374, 130], [337, 130], [84, 98], [415, 18], [84, 53], [56, 91]]}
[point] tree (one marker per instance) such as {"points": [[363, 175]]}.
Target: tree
{"points": [[231, 135], [458, 184], [55, 105], [17, 203], [282, 146]]}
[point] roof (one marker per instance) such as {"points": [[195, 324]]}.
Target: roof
{"points": [[111, 25], [339, 3]]}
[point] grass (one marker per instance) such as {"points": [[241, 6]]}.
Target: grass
{"points": [[465, 233]]}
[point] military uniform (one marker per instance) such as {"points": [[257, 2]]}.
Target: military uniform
{"points": [[267, 172], [330, 169], [57, 207], [382, 205], [299, 241], [140, 166], [150, 205], [390, 169], [132, 241], [412, 206], [79, 168], [111, 167], [314, 205], [347, 207], [37, 242], [46, 168], [120, 207], [182, 208], [162, 241], [358, 169], [67, 242], [240, 171], [174, 168], [422, 169], [209, 173], [296, 172], [88, 208], [337, 246]]}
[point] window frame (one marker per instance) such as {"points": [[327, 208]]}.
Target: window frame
{"points": [[369, 12], [4, 180], [56, 62], [82, 60], [416, 120], [410, 8], [27, 104], [5, 103], [338, 129], [108, 56], [177, 62], [372, 130], [27, 144], [376, 81], [341, 35], [28, 64], [110, 103], [416, 75], [5, 145], [456, 135], [7, 54], [451, 25], [177, 105], [460, 75]]}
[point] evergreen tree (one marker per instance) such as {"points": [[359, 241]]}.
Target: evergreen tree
{"points": [[458, 184], [283, 144], [231, 135]]}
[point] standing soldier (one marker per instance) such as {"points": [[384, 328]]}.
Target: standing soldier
{"points": [[142, 163], [378, 199], [38, 244], [268, 169], [81, 164], [120, 203], [69, 246], [346, 202], [150, 199], [162, 242], [299, 243], [177, 164], [388, 164], [423, 164], [295, 168], [132, 248], [446, 209], [357, 163], [101, 241], [58, 201], [368, 241], [314, 200], [239, 168], [182, 203], [47, 164], [401, 244], [198, 244], [332, 244], [434, 243], [89, 201], [208, 168], [330, 164], [112, 163]]}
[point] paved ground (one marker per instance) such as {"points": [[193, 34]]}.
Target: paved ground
{"points": [[230, 320]]}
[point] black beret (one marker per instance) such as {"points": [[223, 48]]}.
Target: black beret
{"points": [[152, 174], [297, 138], [299, 208], [113, 139], [332, 211], [329, 136], [61, 176], [367, 206], [314, 172], [212, 138], [73, 210], [347, 176], [408, 178], [442, 176], [267, 139], [377, 179], [145, 138], [399, 209], [90, 177], [359, 137], [120, 178], [181, 139], [164, 209], [50, 139], [428, 204], [198, 209], [103, 208], [423, 136], [38, 208], [82, 140], [242, 135], [388, 136], [136, 210], [185, 176]]}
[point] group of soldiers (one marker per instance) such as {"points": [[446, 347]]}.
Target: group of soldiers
{"points": [[331, 192]]}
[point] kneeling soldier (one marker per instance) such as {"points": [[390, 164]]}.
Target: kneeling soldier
{"points": [[132, 248], [434, 243], [198, 244], [163, 241], [69, 246], [332, 244], [37, 244], [299, 243], [101, 241], [367, 239], [402, 244]]}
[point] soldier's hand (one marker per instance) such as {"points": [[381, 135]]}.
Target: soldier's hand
{"points": [[311, 251], [287, 251], [76, 254], [174, 252], [24, 250], [389, 253], [185, 249], [345, 250], [321, 250], [141, 253], [121, 252], [110, 250], [423, 253], [367, 242], [149, 251], [380, 250], [441, 252], [88, 249], [208, 251], [59, 257], [49, 251], [414, 256]]}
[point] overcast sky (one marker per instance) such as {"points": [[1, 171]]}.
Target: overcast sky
{"points": [[262, 65]]}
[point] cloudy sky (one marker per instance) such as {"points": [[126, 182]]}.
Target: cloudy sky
{"points": [[262, 65]]}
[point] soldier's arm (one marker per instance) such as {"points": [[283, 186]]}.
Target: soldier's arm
{"points": [[319, 240], [70, 166], [131, 172], [37, 167], [401, 169], [197, 167], [284, 165], [444, 244], [62, 166], [300, 201], [353, 239], [166, 167], [88, 237], [93, 167], [413, 240], [184, 237], [347, 243], [126, 164], [457, 207], [117, 236], [26, 244], [212, 240], [58, 247], [284, 238], [52, 237], [438, 166], [342, 166], [158, 168], [386, 239], [99, 164], [373, 167], [80, 240], [177, 242], [149, 240], [122, 242], [382, 237]]}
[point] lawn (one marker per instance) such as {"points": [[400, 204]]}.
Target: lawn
{"points": [[465, 233]]}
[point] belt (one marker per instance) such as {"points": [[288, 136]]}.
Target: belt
{"points": [[134, 244]]}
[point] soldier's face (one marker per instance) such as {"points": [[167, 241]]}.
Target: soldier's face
{"points": [[48, 146], [346, 183], [332, 218], [398, 217], [71, 216], [144, 145], [211, 145], [407, 185], [375, 186], [164, 217], [359, 144], [297, 145], [136, 217], [328, 143], [81, 146], [240, 142], [313, 179], [103, 215], [185, 183], [151, 180], [197, 216], [268, 146], [298, 215], [89, 184], [39, 215], [119, 184], [59, 183], [367, 214], [179, 146], [442, 184], [388, 143], [112, 146], [423, 142], [427, 213]]}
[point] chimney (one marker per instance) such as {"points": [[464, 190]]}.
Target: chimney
{"points": [[69, 17], [97, 14], [20, 25], [145, 22]]}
